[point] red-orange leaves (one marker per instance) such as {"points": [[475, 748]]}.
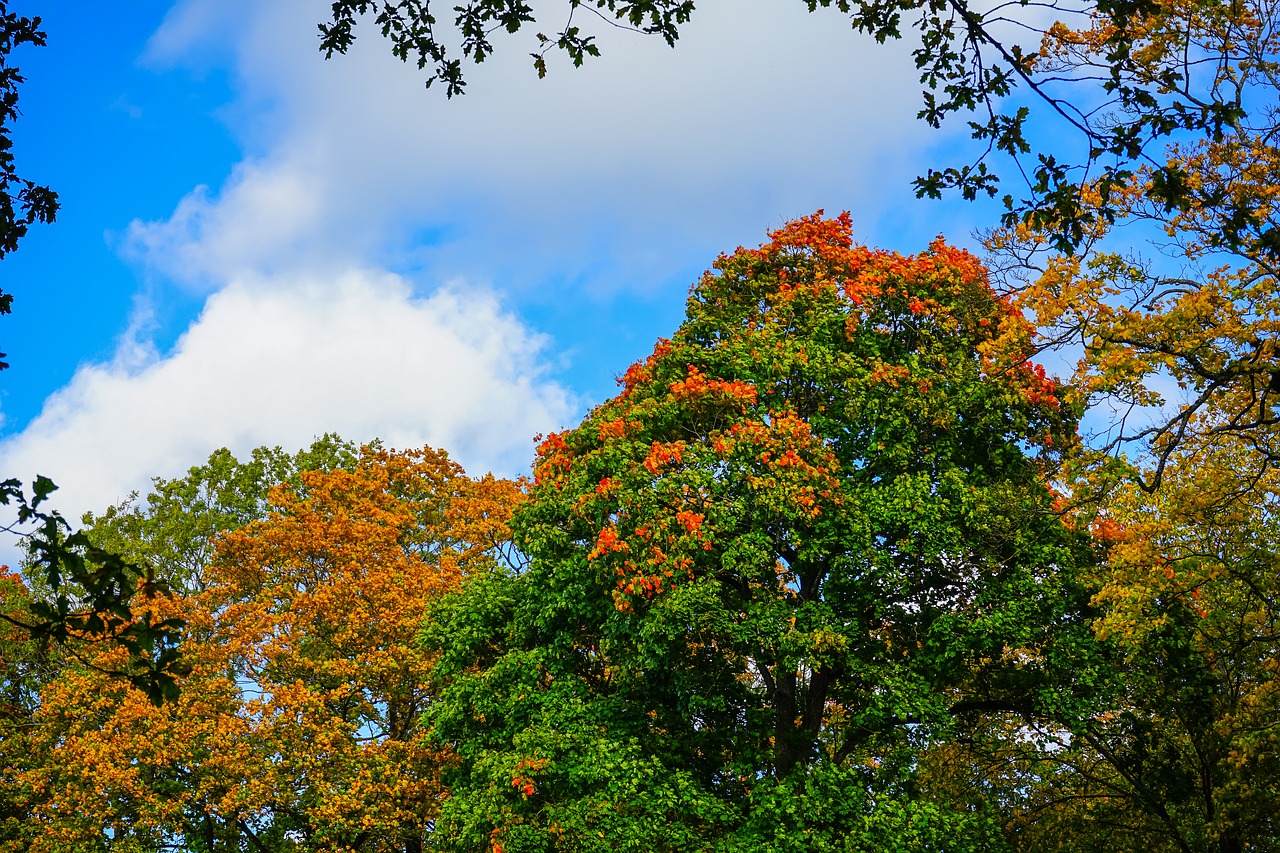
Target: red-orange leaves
{"points": [[523, 780], [691, 521], [1038, 388], [823, 237], [641, 372], [663, 454], [789, 469], [554, 459], [608, 542], [698, 387], [612, 429]]}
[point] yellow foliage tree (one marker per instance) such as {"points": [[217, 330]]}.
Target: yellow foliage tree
{"points": [[1183, 756], [1184, 336]]}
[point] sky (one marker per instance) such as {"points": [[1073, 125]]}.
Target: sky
{"points": [[257, 246]]}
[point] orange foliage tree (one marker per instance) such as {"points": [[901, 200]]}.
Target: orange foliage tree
{"points": [[298, 728]]}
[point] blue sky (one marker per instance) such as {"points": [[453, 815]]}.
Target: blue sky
{"points": [[257, 246]]}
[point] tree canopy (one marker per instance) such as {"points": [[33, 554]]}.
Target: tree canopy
{"points": [[297, 726], [833, 571], [809, 539]]}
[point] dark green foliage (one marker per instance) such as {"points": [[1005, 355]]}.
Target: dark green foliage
{"points": [[93, 595]]}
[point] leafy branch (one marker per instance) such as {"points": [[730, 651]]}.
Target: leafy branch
{"points": [[93, 596]]}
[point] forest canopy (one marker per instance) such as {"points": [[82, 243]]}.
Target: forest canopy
{"points": [[832, 571], [840, 567]]}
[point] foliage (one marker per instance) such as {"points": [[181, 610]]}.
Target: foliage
{"points": [[174, 532], [1182, 756], [84, 587], [1184, 345], [98, 611], [24, 665], [23, 203], [1180, 344], [298, 726], [93, 596], [809, 538]]}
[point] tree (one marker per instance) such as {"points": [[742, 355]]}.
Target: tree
{"points": [[811, 538], [1179, 754], [298, 727], [1180, 338], [84, 587], [1180, 342]]}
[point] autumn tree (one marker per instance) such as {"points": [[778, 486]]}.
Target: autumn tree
{"points": [[1170, 303], [811, 537], [81, 587], [1182, 754], [1172, 312], [298, 727]]}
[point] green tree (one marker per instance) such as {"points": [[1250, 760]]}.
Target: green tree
{"points": [[810, 540]]}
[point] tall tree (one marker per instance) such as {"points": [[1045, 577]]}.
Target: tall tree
{"points": [[811, 536], [1172, 306]]}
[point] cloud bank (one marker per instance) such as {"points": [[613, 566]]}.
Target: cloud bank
{"points": [[646, 160], [560, 212], [280, 363]]}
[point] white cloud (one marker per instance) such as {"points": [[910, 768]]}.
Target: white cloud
{"points": [[578, 192], [279, 362]]}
